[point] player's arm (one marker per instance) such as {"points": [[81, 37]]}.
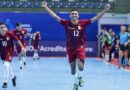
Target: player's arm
{"points": [[107, 7], [21, 46], [44, 4], [29, 34], [117, 41]]}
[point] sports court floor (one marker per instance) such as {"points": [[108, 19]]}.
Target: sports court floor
{"points": [[54, 74]]}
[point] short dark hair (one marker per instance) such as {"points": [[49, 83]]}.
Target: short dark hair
{"points": [[18, 23], [74, 10], [2, 23]]}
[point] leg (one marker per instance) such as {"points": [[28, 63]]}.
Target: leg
{"points": [[12, 76], [120, 58], [107, 55], [24, 58], [73, 67], [110, 55], [125, 59], [80, 72], [20, 61], [6, 73], [80, 64], [35, 56]]}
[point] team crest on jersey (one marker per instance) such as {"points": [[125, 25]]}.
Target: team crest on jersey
{"points": [[23, 32], [7, 38], [79, 27]]}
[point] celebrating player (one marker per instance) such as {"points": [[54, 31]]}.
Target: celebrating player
{"points": [[122, 43], [7, 50], [76, 39], [19, 32], [35, 42]]}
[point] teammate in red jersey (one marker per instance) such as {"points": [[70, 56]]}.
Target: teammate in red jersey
{"points": [[76, 39], [20, 33], [7, 50], [35, 42]]}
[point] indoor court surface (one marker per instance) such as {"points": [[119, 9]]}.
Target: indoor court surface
{"points": [[54, 74]]}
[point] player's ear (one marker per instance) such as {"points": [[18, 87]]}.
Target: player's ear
{"points": [[70, 15]]}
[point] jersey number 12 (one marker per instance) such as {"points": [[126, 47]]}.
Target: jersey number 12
{"points": [[76, 33]]}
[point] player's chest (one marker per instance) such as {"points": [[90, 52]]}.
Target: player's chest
{"points": [[5, 38], [123, 36], [5, 41], [75, 30], [72, 28]]}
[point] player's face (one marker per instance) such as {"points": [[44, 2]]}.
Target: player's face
{"points": [[123, 29], [3, 29], [19, 27], [110, 31], [74, 15], [38, 32], [129, 29]]}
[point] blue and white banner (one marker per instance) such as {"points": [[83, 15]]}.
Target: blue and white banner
{"points": [[58, 49]]}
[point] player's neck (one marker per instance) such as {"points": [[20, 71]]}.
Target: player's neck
{"points": [[74, 22]]}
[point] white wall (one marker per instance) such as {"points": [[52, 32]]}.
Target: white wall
{"points": [[109, 18]]}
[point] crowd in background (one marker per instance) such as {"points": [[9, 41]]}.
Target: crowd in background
{"points": [[115, 45]]}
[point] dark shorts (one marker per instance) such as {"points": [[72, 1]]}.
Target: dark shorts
{"points": [[123, 47], [76, 54]]}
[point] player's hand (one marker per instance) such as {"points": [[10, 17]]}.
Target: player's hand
{"points": [[107, 7], [44, 4]]}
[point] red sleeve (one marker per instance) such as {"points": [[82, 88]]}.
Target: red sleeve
{"points": [[13, 36], [86, 21], [63, 22], [13, 32]]}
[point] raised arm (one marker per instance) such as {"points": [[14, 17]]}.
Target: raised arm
{"points": [[107, 7], [44, 4]]}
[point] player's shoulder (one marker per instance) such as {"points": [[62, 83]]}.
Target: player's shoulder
{"points": [[9, 33], [14, 30], [85, 20], [64, 20]]}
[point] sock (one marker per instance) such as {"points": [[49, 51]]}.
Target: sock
{"points": [[75, 79], [6, 71], [24, 59], [21, 63], [112, 56], [35, 55], [102, 54], [80, 73], [11, 72], [120, 60], [106, 57], [126, 61]]}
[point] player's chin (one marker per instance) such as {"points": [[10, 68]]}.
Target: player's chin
{"points": [[74, 18]]}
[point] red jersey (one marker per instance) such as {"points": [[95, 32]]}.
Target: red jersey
{"points": [[75, 34], [36, 37], [20, 34], [6, 42], [35, 40]]}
